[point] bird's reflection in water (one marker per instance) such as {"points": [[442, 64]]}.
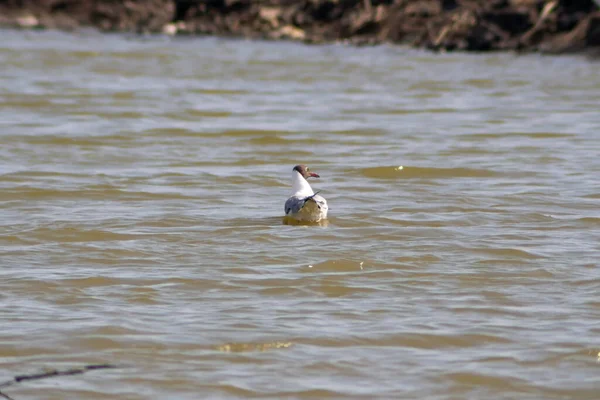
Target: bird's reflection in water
{"points": [[291, 221]]}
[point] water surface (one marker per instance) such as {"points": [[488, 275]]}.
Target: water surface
{"points": [[142, 182]]}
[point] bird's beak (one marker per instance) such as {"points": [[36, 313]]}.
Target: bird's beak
{"points": [[313, 175]]}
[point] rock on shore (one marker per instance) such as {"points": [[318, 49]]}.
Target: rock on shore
{"points": [[554, 26]]}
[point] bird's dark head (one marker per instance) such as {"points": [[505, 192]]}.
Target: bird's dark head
{"points": [[305, 171]]}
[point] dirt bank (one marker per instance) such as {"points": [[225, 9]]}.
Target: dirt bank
{"points": [[555, 26]]}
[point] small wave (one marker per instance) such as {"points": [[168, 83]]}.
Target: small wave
{"points": [[358, 132], [70, 234], [54, 140], [101, 192], [532, 135], [404, 172], [433, 341], [482, 381], [506, 253], [592, 196], [405, 111], [590, 220], [195, 113], [219, 91], [252, 132], [268, 139]]}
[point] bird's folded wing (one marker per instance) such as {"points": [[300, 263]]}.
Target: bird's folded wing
{"points": [[295, 204]]}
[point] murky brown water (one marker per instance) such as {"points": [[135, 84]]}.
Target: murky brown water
{"points": [[141, 192]]}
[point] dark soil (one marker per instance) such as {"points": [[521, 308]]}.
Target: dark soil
{"points": [[553, 26]]}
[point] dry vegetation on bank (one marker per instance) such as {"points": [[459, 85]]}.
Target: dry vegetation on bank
{"points": [[554, 26]]}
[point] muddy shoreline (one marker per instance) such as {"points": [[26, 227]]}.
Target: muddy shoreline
{"points": [[549, 26]]}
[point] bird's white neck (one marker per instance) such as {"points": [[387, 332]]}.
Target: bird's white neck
{"points": [[300, 186]]}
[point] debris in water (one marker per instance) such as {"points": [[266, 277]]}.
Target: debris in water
{"points": [[243, 347], [51, 373]]}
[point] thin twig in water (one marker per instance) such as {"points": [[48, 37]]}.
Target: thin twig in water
{"points": [[5, 396], [50, 374]]}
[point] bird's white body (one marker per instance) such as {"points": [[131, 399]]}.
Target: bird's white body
{"points": [[304, 204]]}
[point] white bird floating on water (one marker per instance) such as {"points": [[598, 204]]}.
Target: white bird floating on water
{"points": [[304, 205]]}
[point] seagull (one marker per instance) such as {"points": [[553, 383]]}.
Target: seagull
{"points": [[304, 204]]}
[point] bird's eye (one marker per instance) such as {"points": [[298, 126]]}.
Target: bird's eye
{"points": [[307, 169]]}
